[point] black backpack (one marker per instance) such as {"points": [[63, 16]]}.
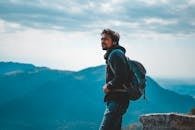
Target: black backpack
{"points": [[135, 86]]}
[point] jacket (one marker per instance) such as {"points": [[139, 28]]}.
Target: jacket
{"points": [[115, 80]]}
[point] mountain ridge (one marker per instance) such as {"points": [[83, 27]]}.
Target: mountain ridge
{"points": [[60, 98]]}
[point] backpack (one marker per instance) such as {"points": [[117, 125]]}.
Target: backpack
{"points": [[135, 86]]}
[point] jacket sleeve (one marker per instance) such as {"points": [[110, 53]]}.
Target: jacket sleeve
{"points": [[118, 65]]}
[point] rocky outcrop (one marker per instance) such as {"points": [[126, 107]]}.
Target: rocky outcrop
{"points": [[168, 121]]}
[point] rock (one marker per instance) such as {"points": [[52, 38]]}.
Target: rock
{"points": [[133, 126], [168, 121]]}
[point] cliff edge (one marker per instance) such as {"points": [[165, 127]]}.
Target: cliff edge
{"points": [[168, 121]]}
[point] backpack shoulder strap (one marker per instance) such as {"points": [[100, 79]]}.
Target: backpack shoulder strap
{"points": [[110, 56]]}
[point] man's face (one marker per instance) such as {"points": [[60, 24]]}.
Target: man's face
{"points": [[106, 42]]}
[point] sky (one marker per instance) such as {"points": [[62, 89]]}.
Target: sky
{"points": [[65, 35]]}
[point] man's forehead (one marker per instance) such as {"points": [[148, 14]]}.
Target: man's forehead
{"points": [[105, 36]]}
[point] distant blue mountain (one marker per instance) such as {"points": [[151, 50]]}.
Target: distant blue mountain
{"points": [[41, 98], [182, 86]]}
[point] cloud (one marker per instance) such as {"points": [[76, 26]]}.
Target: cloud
{"points": [[7, 27], [155, 2], [159, 21], [165, 16], [55, 33]]}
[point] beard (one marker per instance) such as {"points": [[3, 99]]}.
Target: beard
{"points": [[104, 47]]}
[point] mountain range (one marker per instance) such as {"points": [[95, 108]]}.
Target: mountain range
{"points": [[33, 97]]}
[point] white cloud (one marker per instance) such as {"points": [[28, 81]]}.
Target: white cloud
{"points": [[112, 6], [191, 2], [9, 26], [155, 2], [160, 21], [115, 24]]}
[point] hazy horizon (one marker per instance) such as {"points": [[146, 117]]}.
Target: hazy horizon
{"points": [[158, 78]]}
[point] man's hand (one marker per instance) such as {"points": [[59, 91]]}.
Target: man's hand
{"points": [[105, 89]]}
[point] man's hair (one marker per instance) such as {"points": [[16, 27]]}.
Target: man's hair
{"points": [[113, 35]]}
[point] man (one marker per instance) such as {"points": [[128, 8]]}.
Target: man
{"points": [[116, 101]]}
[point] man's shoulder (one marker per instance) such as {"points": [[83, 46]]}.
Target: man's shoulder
{"points": [[116, 53]]}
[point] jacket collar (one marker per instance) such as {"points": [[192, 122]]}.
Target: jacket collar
{"points": [[112, 48]]}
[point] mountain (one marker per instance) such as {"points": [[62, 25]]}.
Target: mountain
{"points": [[182, 86], [42, 98], [17, 79]]}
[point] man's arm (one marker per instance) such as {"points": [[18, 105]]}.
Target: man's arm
{"points": [[118, 64]]}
